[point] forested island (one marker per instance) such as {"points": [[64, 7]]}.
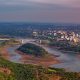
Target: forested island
{"points": [[35, 54], [33, 49]]}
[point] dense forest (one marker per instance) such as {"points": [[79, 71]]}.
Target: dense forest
{"points": [[32, 49]]}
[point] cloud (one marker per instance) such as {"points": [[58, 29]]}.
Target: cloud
{"points": [[42, 16], [67, 3], [40, 10]]}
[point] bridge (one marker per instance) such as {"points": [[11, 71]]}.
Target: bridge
{"points": [[4, 39], [23, 41]]}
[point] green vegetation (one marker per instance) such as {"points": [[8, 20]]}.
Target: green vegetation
{"points": [[32, 49], [65, 45], [32, 72], [9, 42], [13, 41]]}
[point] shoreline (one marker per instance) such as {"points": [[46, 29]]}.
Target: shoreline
{"points": [[4, 53], [63, 50], [29, 59], [45, 61]]}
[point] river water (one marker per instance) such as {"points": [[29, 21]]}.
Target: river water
{"points": [[69, 61]]}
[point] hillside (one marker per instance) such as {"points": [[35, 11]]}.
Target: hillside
{"points": [[15, 71]]}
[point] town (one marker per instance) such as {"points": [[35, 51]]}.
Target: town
{"points": [[57, 35]]}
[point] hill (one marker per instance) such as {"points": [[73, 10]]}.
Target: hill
{"points": [[32, 49]]}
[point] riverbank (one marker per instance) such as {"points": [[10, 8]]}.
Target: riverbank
{"points": [[4, 52], [62, 50], [44, 61], [29, 59]]}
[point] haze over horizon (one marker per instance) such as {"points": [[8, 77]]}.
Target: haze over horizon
{"points": [[66, 11]]}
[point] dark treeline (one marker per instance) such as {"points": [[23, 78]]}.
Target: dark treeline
{"points": [[24, 29], [66, 46]]}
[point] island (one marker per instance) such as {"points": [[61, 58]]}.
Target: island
{"points": [[35, 54], [33, 49]]}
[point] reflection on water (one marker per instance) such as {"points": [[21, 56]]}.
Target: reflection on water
{"points": [[14, 56]]}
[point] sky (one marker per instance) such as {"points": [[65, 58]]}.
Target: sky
{"points": [[64, 11]]}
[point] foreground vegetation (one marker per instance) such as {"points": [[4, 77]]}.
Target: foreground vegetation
{"points": [[32, 72]]}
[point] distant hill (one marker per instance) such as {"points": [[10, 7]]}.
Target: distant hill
{"points": [[32, 49]]}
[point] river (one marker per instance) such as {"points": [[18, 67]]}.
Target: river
{"points": [[69, 61]]}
